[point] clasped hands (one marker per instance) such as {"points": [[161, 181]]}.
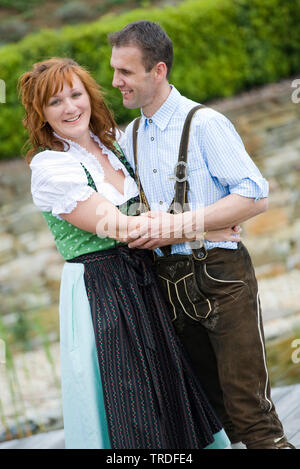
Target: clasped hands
{"points": [[158, 229]]}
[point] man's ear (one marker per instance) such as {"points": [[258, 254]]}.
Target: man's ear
{"points": [[160, 71]]}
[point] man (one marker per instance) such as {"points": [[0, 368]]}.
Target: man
{"points": [[227, 347]]}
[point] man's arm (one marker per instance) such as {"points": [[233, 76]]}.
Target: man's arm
{"points": [[228, 163], [229, 211], [232, 210]]}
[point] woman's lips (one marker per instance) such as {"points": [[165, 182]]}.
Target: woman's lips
{"points": [[73, 119]]}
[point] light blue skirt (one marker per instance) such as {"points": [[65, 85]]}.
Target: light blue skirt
{"points": [[85, 424]]}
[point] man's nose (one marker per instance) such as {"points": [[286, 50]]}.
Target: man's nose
{"points": [[117, 81]]}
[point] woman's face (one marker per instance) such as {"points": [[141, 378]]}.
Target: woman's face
{"points": [[69, 111]]}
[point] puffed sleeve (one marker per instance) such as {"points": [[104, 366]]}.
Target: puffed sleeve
{"points": [[58, 182]]}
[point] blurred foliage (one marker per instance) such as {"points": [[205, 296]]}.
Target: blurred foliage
{"points": [[221, 47], [20, 5]]}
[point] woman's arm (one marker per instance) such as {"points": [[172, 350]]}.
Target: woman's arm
{"points": [[165, 228], [98, 215]]}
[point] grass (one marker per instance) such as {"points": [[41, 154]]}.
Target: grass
{"points": [[20, 337]]}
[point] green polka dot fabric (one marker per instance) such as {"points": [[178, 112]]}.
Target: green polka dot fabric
{"points": [[71, 241]]}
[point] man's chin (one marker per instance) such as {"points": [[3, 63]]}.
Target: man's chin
{"points": [[129, 105]]}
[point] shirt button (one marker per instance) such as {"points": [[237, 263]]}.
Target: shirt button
{"points": [[150, 121], [152, 138], [155, 170], [160, 202], [200, 255]]}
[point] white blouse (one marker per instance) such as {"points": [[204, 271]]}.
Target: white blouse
{"points": [[59, 181]]}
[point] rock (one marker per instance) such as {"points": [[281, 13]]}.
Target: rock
{"points": [[41, 394], [27, 218], [270, 270], [280, 295], [53, 275], [267, 222], [279, 327], [27, 267], [32, 241], [276, 164], [6, 247]]}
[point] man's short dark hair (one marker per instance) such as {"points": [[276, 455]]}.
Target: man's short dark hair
{"points": [[154, 43]]}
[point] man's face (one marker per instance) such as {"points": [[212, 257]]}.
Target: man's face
{"points": [[138, 87]]}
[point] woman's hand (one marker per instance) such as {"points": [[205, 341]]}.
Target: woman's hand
{"points": [[227, 234], [164, 229]]}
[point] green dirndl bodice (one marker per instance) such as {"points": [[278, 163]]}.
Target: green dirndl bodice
{"points": [[72, 241]]}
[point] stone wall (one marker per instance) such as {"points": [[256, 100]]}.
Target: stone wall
{"points": [[268, 122]]}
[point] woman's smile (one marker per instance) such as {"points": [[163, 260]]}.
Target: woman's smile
{"points": [[73, 119]]}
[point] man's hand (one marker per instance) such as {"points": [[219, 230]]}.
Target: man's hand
{"points": [[158, 222], [162, 229]]}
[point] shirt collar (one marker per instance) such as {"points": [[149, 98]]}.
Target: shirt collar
{"points": [[162, 117]]}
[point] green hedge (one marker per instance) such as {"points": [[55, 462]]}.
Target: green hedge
{"points": [[221, 47]]}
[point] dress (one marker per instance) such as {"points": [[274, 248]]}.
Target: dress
{"points": [[126, 382]]}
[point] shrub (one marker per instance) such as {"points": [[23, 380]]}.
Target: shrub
{"points": [[221, 47]]}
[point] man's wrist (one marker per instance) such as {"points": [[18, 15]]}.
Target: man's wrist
{"points": [[192, 223]]}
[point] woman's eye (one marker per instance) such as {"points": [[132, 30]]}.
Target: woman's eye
{"points": [[76, 95], [53, 103]]}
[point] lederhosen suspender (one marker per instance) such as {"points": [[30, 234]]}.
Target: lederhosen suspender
{"points": [[181, 185]]}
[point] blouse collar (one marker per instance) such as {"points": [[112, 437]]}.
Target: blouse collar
{"points": [[85, 156]]}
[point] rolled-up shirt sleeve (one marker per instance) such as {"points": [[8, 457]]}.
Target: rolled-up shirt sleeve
{"points": [[228, 161], [58, 182]]}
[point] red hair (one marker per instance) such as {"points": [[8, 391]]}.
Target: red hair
{"points": [[45, 80]]}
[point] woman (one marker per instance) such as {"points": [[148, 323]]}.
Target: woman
{"points": [[125, 380]]}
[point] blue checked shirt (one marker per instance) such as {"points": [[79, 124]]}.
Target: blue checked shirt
{"points": [[218, 163]]}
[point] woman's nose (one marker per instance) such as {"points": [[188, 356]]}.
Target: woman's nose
{"points": [[70, 106]]}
